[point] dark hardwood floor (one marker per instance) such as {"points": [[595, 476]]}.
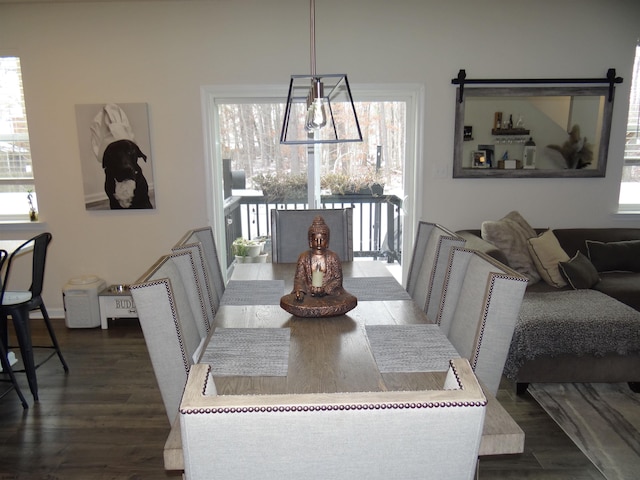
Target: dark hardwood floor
{"points": [[105, 418]]}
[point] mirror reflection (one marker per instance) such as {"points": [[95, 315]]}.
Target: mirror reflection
{"points": [[536, 132]]}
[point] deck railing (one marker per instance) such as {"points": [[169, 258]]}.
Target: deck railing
{"points": [[377, 226]]}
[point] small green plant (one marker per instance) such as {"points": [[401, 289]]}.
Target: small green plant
{"points": [[33, 214], [242, 246]]}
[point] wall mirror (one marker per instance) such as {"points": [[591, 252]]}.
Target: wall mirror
{"points": [[532, 131]]}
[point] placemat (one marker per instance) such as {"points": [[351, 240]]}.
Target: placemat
{"points": [[410, 348], [250, 352], [253, 292], [375, 288]]}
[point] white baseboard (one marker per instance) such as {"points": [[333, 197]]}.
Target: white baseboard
{"points": [[54, 313]]}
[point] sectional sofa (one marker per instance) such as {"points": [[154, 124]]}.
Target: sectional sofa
{"points": [[580, 317]]}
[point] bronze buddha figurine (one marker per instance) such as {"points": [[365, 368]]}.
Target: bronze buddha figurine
{"points": [[317, 286]]}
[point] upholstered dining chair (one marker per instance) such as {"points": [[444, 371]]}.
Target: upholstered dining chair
{"points": [[186, 264], [204, 236], [4, 361], [290, 228], [170, 329], [480, 306], [209, 294], [342, 436], [428, 266], [18, 303]]}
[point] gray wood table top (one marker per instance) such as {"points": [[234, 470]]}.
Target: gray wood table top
{"points": [[329, 354]]}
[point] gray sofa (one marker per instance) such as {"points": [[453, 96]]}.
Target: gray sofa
{"points": [[590, 333]]}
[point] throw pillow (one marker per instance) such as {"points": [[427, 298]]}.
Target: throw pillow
{"points": [[547, 254], [579, 272], [622, 256], [510, 234]]}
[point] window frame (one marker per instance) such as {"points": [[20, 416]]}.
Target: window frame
{"points": [[411, 94], [632, 133], [18, 211]]}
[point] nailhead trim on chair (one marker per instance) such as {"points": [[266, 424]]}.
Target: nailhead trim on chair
{"points": [[325, 408], [167, 284], [437, 258], [485, 313], [205, 272], [203, 307]]}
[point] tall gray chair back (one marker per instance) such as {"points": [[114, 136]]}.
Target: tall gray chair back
{"points": [[428, 267], [204, 235], [209, 295], [290, 233], [187, 268], [480, 306], [169, 326], [4, 361]]}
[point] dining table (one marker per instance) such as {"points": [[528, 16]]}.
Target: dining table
{"points": [[385, 343]]}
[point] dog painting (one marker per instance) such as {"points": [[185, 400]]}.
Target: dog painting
{"points": [[124, 183], [116, 160]]}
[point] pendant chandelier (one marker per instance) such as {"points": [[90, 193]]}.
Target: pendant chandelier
{"points": [[312, 102]]}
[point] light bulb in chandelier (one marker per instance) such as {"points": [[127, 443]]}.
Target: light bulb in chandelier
{"points": [[316, 115], [316, 112]]}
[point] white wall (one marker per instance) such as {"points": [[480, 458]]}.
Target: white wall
{"points": [[162, 52]]}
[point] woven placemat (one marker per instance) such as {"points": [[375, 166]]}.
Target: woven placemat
{"points": [[410, 348], [253, 292], [375, 288], [250, 352]]}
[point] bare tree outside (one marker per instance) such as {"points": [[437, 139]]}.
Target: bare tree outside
{"points": [[249, 135]]}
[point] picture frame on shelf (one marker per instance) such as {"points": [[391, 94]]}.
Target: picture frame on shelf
{"points": [[490, 151], [468, 133], [479, 159]]}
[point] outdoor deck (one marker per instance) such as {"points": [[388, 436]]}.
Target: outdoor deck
{"points": [[377, 225]]}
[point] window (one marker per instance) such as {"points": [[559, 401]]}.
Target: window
{"points": [[630, 184], [16, 172], [249, 136]]}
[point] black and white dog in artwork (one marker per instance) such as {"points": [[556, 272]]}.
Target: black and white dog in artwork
{"points": [[124, 183]]}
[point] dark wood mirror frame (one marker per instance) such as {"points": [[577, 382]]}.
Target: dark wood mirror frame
{"points": [[485, 133]]}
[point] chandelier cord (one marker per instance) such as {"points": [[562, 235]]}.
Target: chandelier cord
{"points": [[635, 82], [312, 29]]}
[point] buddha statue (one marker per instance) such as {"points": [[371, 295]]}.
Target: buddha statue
{"points": [[319, 271], [317, 286]]}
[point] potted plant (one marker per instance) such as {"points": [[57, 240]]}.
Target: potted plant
{"points": [[279, 187], [33, 213], [367, 183], [248, 251]]}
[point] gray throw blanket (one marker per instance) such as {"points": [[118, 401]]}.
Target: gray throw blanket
{"points": [[576, 322]]}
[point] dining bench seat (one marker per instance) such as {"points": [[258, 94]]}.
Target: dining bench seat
{"points": [[372, 435]]}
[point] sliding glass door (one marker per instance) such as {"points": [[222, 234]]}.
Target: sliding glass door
{"points": [[246, 160]]}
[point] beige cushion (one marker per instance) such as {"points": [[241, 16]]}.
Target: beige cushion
{"points": [[510, 234], [547, 254]]}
